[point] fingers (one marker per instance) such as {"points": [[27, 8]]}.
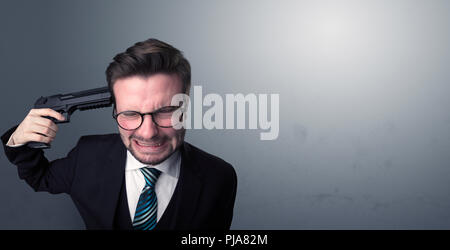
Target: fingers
{"points": [[40, 138], [37, 128], [43, 130], [44, 122], [21, 136], [47, 112]]}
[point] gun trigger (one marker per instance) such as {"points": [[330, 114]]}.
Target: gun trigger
{"points": [[50, 118], [66, 116]]}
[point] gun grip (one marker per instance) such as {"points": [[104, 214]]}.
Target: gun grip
{"points": [[41, 145]]}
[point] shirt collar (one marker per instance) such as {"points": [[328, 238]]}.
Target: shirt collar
{"points": [[169, 166]]}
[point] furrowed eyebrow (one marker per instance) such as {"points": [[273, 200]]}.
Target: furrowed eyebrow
{"points": [[165, 108]]}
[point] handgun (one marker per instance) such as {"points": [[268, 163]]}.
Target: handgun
{"points": [[66, 104]]}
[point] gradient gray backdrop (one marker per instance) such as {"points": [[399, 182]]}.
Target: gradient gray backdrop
{"points": [[364, 137]]}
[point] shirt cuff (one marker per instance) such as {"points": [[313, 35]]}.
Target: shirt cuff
{"points": [[10, 143]]}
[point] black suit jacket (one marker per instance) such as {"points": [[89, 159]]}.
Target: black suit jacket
{"points": [[93, 174]]}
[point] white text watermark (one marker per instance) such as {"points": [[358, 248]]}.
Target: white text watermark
{"points": [[237, 115]]}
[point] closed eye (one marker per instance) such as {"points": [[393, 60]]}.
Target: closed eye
{"points": [[168, 109], [130, 113]]}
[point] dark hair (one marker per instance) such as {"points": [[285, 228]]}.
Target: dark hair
{"points": [[147, 58]]}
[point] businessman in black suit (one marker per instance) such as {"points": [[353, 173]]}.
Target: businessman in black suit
{"points": [[146, 177]]}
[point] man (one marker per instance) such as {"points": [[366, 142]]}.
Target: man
{"points": [[146, 178]]}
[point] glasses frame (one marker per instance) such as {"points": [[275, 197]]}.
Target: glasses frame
{"points": [[143, 114]]}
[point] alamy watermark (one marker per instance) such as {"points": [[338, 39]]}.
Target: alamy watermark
{"points": [[257, 114]]}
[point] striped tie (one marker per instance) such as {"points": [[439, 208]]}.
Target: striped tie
{"points": [[147, 207]]}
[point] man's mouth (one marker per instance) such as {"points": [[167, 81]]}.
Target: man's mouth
{"points": [[148, 145]]}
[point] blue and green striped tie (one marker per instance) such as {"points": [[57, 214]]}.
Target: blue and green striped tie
{"points": [[147, 207]]}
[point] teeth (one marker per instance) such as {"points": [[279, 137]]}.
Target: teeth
{"points": [[150, 145]]}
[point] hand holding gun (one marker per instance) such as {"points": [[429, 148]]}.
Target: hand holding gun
{"points": [[38, 128]]}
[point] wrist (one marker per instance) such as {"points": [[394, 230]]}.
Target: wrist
{"points": [[11, 141]]}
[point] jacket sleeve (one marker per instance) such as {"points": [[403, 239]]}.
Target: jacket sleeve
{"points": [[229, 204], [33, 167]]}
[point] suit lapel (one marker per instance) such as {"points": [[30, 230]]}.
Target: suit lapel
{"points": [[112, 181], [182, 207], [122, 219]]}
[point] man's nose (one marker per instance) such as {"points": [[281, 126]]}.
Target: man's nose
{"points": [[148, 128]]}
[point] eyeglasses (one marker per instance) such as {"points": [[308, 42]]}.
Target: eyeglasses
{"points": [[132, 120]]}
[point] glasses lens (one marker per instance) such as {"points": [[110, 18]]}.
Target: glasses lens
{"points": [[163, 118], [129, 120]]}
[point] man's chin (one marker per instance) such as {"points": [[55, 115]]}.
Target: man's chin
{"points": [[149, 158]]}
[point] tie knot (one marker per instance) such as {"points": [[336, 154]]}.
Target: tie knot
{"points": [[151, 175]]}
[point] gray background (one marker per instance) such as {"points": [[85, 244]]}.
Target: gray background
{"points": [[364, 137]]}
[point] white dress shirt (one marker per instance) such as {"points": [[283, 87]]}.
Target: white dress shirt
{"points": [[165, 185]]}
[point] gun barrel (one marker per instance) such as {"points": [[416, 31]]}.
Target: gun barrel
{"points": [[89, 92], [84, 99]]}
